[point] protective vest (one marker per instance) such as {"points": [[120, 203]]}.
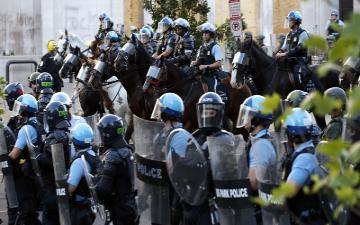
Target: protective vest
{"points": [[205, 56]]}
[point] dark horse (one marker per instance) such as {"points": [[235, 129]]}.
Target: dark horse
{"points": [[189, 87], [265, 75]]}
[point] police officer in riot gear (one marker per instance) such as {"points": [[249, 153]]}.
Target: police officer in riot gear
{"points": [[44, 99], [145, 39], [185, 45], [334, 20], [56, 124], [48, 65], [260, 41], [25, 107], [44, 80], [295, 51], [166, 43], [112, 42], [32, 84], [261, 152], [153, 41], [208, 57], [82, 138], [66, 100], [12, 92], [333, 130], [116, 181], [169, 109], [301, 166]]}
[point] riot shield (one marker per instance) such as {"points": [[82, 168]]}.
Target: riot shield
{"points": [[7, 141], [58, 158], [187, 167], [33, 152], [95, 205], [92, 121], [153, 181], [229, 172]]}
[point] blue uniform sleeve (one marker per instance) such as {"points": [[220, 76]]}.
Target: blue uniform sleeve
{"points": [[302, 169], [76, 172], [216, 52], [303, 37], [21, 138], [262, 153], [171, 43]]}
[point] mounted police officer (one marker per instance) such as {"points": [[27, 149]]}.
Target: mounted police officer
{"points": [[185, 44], [48, 65], [301, 166], [153, 41], [334, 129], [145, 39], [260, 41], [166, 43], [169, 109], [334, 21], [112, 42], [56, 124], [82, 138], [32, 84], [116, 181], [26, 184], [209, 57], [296, 53]]}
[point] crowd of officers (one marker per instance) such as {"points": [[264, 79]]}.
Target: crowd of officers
{"points": [[42, 118]]}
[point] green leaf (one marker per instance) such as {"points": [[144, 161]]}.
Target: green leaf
{"points": [[333, 148], [344, 47], [321, 105], [352, 28], [346, 195], [353, 106], [284, 191], [354, 153], [271, 103], [316, 42], [323, 69]]}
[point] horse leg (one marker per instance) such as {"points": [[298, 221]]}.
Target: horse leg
{"points": [[130, 128], [107, 101]]}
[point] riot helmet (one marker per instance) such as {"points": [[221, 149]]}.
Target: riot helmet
{"points": [[111, 130], [295, 16], [44, 80], [82, 136], [107, 23], [63, 98], [56, 117], [295, 98], [165, 24], [251, 113], [32, 80], [168, 107], [111, 37], [51, 46], [299, 126], [25, 105], [182, 24], [12, 92], [210, 111], [145, 35], [338, 94]]}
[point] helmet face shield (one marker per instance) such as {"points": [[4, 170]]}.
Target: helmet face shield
{"points": [[210, 115], [245, 116], [18, 108], [162, 27], [156, 113]]}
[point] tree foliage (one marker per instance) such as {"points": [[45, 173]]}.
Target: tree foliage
{"points": [[193, 11]]}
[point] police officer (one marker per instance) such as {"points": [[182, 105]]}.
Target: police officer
{"points": [[82, 138], [48, 65], [166, 43], [294, 49], [169, 109], [208, 57], [260, 150], [145, 39], [44, 98], [301, 166], [153, 40], [112, 42], [294, 100], [32, 84], [26, 184], [56, 124], [116, 181], [65, 99], [44, 80], [334, 129], [185, 45], [210, 113], [334, 20]]}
